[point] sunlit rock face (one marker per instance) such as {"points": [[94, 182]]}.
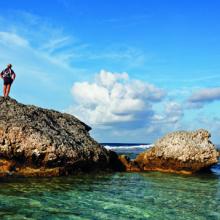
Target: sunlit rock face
{"points": [[40, 142], [180, 152]]}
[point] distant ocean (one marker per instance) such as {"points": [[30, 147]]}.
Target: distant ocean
{"points": [[115, 196], [129, 149]]}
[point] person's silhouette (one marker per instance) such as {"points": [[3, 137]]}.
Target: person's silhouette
{"points": [[8, 75]]}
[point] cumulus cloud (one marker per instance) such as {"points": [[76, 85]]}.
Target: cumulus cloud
{"points": [[203, 96], [121, 108], [115, 100], [171, 114]]}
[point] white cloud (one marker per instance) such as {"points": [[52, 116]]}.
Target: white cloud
{"points": [[171, 114], [90, 94], [206, 95], [199, 98], [107, 79], [115, 100], [120, 108]]}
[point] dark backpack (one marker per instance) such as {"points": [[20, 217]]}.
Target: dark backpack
{"points": [[7, 73]]}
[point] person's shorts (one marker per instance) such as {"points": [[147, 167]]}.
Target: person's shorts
{"points": [[8, 81]]}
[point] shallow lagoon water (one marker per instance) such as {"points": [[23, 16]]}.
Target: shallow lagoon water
{"points": [[150, 195]]}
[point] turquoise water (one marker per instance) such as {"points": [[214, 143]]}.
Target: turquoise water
{"points": [[150, 195]]}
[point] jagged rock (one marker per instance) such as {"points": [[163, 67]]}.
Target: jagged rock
{"points": [[180, 152], [40, 142], [128, 164]]}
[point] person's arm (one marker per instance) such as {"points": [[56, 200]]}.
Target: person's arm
{"points": [[13, 75], [1, 74]]}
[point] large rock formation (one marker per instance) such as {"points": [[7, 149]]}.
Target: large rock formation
{"points": [[180, 152], [40, 142]]}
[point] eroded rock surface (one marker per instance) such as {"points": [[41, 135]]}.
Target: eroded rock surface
{"points": [[128, 164], [180, 152], [40, 142]]}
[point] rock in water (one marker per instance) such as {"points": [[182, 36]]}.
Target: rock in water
{"points": [[40, 142], [180, 152]]}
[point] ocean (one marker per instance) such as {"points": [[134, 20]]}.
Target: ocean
{"points": [[120, 196], [129, 149]]}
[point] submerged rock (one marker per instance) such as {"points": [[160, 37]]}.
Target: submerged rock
{"points": [[40, 142], [180, 152]]}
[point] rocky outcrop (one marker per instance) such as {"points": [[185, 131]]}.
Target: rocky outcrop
{"points": [[180, 152], [128, 164], [40, 142]]}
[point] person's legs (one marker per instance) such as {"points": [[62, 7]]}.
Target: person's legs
{"points": [[4, 90], [8, 87]]}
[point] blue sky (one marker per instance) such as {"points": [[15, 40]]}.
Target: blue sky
{"points": [[133, 70]]}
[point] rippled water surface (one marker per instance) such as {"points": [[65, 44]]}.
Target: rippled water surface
{"points": [[150, 195]]}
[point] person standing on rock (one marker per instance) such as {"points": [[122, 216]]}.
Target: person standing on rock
{"points": [[8, 76]]}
